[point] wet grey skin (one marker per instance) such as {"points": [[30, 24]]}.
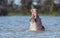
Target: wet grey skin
{"points": [[36, 24], [37, 21]]}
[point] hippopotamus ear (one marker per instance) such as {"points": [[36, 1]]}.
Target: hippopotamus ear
{"points": [[31, 10]]}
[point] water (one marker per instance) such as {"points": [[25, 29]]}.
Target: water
{"points": [[17, 27]]}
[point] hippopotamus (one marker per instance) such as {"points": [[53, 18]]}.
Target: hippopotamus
{"points": [[35, 21]]}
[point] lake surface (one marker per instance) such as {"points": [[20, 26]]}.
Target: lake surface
{"points": [[17, 27]]}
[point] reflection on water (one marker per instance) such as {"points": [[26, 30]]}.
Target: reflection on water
{"points": [[17, 27]]}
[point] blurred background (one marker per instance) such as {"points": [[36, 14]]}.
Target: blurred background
{"points": [[23, 7]]}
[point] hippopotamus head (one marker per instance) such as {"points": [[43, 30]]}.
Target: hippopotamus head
{"points": [[34, 13]]}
